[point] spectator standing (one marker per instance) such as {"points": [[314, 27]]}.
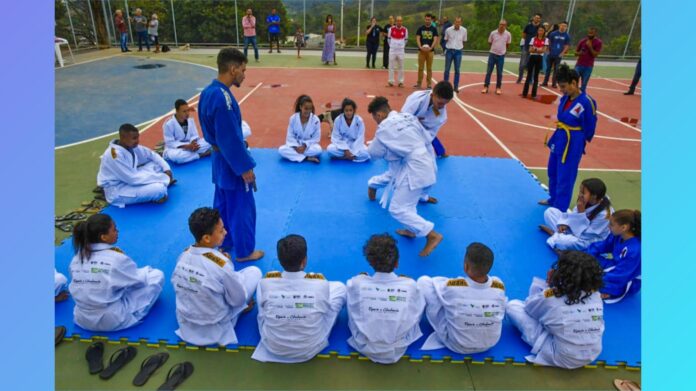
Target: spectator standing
{"points": [[537, 48], [141, 29], [547, 29], [500, 42], [373, 33], [152, 31], [455, 36], [122, 29], [397, 35], [426, 39], [445, 25], [299, 40], [249, 26], [636, 79], [529, 32], [329, 52], [588, 48], [385, 44], [273, 22], [559, 44]]}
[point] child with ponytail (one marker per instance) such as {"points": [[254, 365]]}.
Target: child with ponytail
{"points": [[622, 270], [110, 292]]}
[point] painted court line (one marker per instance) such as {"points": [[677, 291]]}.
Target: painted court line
{"points": [[618, 82], [88, 61], [593, 169]]}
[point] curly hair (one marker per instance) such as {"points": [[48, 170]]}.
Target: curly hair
{"points": [[381, 252], [567, 75], [203, 221], [576, 275]]}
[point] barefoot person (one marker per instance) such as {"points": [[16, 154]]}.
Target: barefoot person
{"points": [[403, 142], [233, 166]]}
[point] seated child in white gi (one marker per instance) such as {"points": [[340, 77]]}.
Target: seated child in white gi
{"points": [[110, 291], [304, 132], [59, 286], [210, 294], [562, 319], [384, 310], [348, 135], [586, 224], [131, 173], [296, 310], [465, 312], [182, 144]]}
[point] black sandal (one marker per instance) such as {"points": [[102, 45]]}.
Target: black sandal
{"points": [[60, 334], [176, 375], [117, 361], [148, 367], [95, 352]]}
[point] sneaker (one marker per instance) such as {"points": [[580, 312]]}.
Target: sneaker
{"points": [[498, 91], [401, 85], [629, 92], [554, 86], [456, 89], [390, 84], [417, 86], [518, 81], [543, 85], [484, 90]]}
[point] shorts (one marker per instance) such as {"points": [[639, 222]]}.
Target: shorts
{"points": [[273, 37]]}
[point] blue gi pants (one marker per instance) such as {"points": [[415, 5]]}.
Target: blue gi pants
{"points": [[562, 179], [238, 212]]}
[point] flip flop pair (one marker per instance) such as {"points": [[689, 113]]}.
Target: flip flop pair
{"points": [[148, 367], [176, 375], [60, 334], [118, 360], [71, 216], [65, 226]]}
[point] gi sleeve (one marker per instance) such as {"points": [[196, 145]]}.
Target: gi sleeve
{"points": [[126, 275], [228, 135], [157, 159], [605, 246], [376, 149], [616, 279], [290, 139], [128, 174], [336, 138], [169, 132], [315, 135], [234, 288], [589, 118]]}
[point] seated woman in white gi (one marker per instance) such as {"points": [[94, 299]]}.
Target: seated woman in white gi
{"points": [[304, 132], [348, 135], [110, 291], [465, 312], [384, 310], [562, 319], [586, 224], [182, 144], [131, 173], [210, 294], [296, 310]]}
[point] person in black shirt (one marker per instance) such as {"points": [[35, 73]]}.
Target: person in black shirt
{"points": [[530, 31], [385, 44], [373, 34], [426, 39]]}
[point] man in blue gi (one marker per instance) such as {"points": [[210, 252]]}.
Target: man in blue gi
{"points": [[233, 166], [575, 126]]}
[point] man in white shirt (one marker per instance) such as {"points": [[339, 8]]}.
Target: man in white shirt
{"points": [[397, 36], [131, 173], [182, 144], [297, 310], [455, 37]]}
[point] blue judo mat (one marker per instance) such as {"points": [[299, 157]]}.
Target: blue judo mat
{"points": [[489, 200], [93, 99]]}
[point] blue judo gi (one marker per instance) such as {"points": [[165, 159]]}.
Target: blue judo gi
{"points": [[574, 128], [221, 122], [622, 271]]}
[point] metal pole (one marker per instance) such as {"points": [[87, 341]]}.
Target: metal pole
{"points": [[502, 12], [117, 36], [236, 21], [94, 28], [72, 29], [357, 41], [176, 41], [130, 29], [304, 18], [342, 1], [572, 11], [106, 22], [630, 34], [372, 8], [439, 12]]}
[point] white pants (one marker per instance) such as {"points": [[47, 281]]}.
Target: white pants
{"points": [[360, 155], [181, 156], [124, 194], [381, 180], [530, 328], [396, 62], [403, 207], [289, 152], [566, 241]]}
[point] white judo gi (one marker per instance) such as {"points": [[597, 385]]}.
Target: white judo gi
{"points": [[351, 138], [110, 291], [59, 282], [403, 142], [299, 135], [210, 295], [561, 335], [175, 136], [418, 104], [131, 178], [467, 316], [582, 232], [296, 314], [384, 313]]}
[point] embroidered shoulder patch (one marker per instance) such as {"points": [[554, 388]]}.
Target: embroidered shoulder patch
{"points": [[363, 274], [118, 250], [315, 276], [457, 282], [549, 293], [219, 261], [498, 284], [113, 152], [273, 275], [405, 276]]}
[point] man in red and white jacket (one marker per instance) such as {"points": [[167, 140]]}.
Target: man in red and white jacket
{"points": [[397, 36]]}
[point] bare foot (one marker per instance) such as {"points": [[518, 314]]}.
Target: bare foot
{"points": [[312, 159], [250, 306], [433, 239], [371, 193], [406, 233], [254, 256], [432, 200], [543, 202], [546, 229], [173, 182], [206, 153], [62, 296]]}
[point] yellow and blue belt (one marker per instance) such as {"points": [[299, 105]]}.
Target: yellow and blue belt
{"points": [[568, 129]]}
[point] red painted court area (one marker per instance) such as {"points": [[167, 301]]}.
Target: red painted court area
{"points": [[478, 124]]}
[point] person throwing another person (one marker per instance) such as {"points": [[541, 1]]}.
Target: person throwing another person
{"points": [[403, 142]]}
